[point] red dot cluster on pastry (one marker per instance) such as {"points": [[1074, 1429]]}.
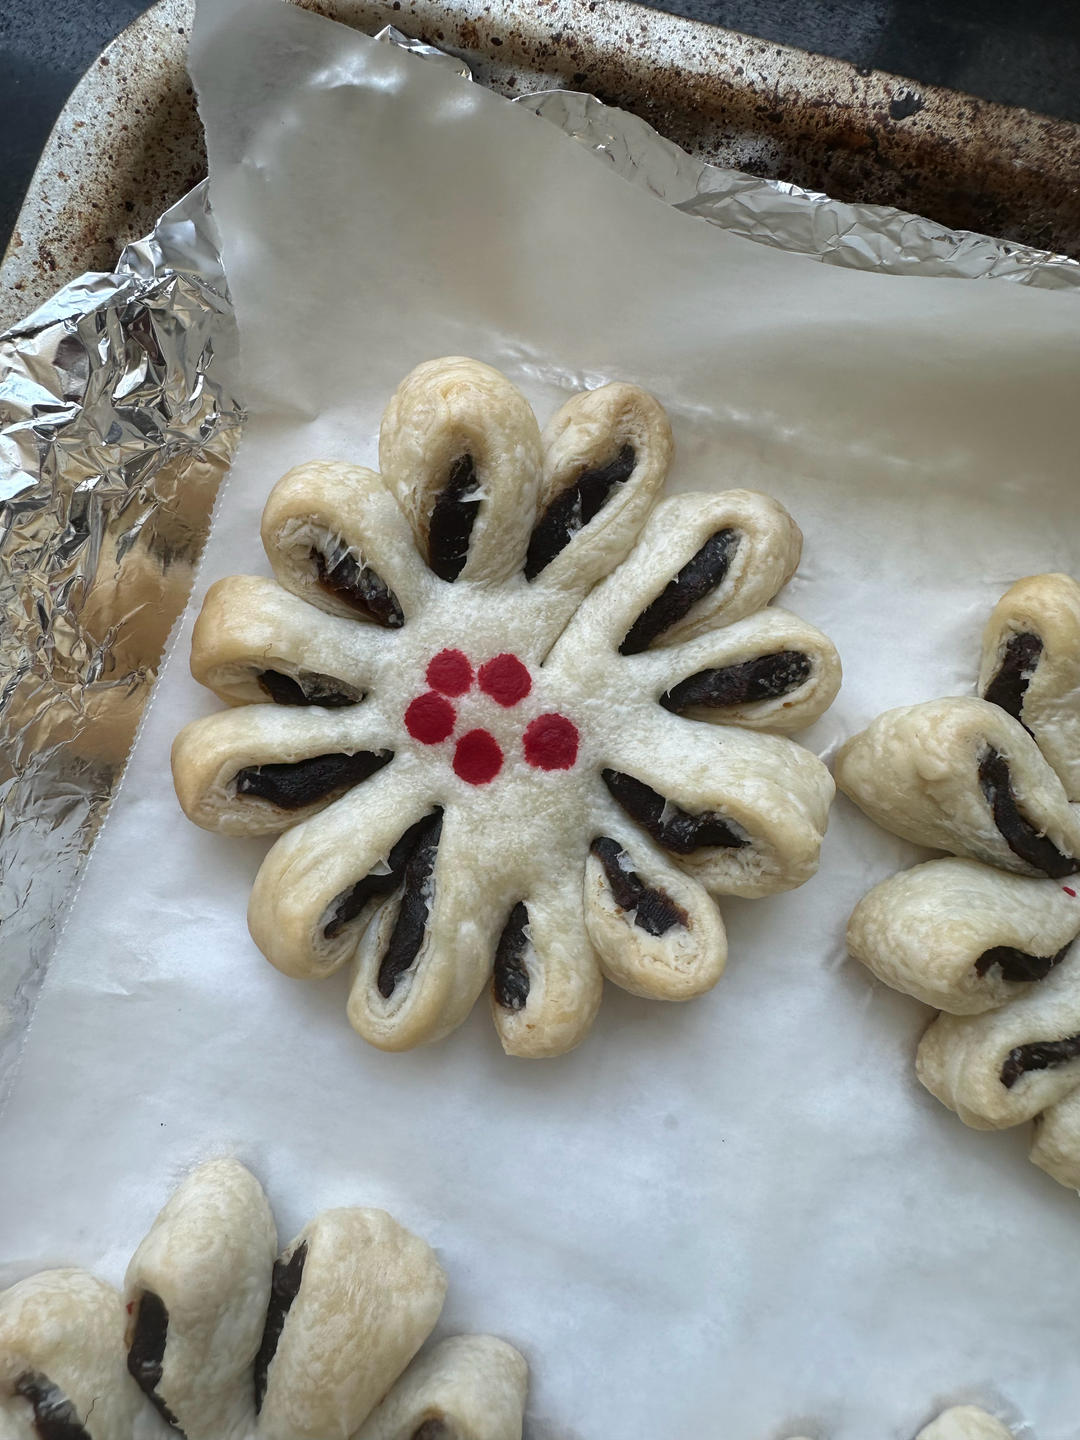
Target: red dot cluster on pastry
{"points": [[550, 742]]}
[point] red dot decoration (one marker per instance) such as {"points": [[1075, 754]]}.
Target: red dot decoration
{"points": [[1069, 891], [551, 742], [430, 718], [505, 679], [450, 673], [477, 757]]}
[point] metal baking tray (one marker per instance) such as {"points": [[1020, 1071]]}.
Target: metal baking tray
{"points": [[129, 141]]}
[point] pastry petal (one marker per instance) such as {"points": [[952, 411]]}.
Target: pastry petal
{"points": [[368, 1295], [197, 1290], [962, 775], [1031, 667], [460, 448], [260, 769], [961, 936], [469, 1387]]}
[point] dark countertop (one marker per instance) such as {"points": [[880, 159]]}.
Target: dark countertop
{"points": [[1001, 50]]}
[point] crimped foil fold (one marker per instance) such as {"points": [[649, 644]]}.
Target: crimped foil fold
{"points": [[118, 420]]}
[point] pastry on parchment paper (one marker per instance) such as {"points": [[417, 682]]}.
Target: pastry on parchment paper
{"points": [[230, 1339], [514, 717], [961, 1422], [988, 936], [965, 1422]]}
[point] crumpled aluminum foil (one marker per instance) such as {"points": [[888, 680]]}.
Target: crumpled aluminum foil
{"points": [[116, 426], [117, 423], [860, 237]]}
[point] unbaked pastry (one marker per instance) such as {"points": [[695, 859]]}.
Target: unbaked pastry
{"points": [[996, 780], [230, 1340], [961, 1422], [964, 1422], [488, 760]]}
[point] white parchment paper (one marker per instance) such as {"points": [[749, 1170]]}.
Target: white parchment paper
{"points": [[735, 1219]]}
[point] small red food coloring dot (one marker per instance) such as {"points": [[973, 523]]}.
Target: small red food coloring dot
{"points": [[449, 672], [477, 757], [505, 679], [551, 742], [1069, 891], [430, 719]]}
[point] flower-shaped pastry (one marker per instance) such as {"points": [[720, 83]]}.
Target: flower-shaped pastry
{"points": [[486, 756], [228, 1340], [986, 937]]}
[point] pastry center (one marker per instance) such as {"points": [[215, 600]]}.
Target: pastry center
{"points": [[548, 742]]}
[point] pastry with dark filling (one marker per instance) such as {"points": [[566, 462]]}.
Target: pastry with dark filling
{"points": [[988, 937], [228, 1338], [517, 719]]}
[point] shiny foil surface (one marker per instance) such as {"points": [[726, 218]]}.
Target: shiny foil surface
{"points": [[118, 420], [116, 426]]}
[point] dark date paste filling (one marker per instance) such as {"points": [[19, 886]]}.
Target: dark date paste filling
{"points": [[55, 1417], [511, 977], [342, 575], [701, 574], [1021, 836], [766, 678], [284, 1288], [307, 688], [410, 927], [654, 910], [291, 787], [674, 829], [432, 1429], [1041, 1055], [573, 508], [1019, 965], [453, 518], [146, 1353], [353, 902], [1009, 686]]}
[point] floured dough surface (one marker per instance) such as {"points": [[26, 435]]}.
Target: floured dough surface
{"points": [[517, 720], [988, 937]]}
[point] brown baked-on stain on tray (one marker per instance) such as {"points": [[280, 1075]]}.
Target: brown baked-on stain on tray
{"points": [[129, 141]]}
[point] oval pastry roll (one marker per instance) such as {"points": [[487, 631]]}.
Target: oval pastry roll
{"points": [[960, 774], [1056, 1144], [743, 813], [263, 768], [656, 931], [335, 537], [606, 455], [425, 955], [964, 1422], [961, 936], [703, 561], [196, 1292], [470, 1387], [546, 983], [63, 1371], [1002, 1068], [254, 642], [315, 893], [460, 448], [1031, 667], [355, 1296], [771, 671]]}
